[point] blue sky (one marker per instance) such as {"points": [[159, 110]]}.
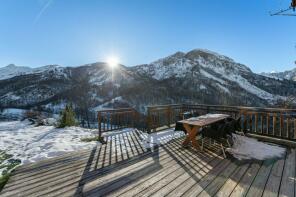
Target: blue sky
{"points": [[75, 32]]}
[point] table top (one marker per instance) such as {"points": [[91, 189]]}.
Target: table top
{"points": [[204, 120]]}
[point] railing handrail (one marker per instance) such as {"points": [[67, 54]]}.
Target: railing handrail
{"points": [[272, 109], [245, 107], [115, 110]]}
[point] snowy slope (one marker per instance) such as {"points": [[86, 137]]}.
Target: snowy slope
{"points": [[289, 75], [30, 143], [201, 63], [12, 70]]}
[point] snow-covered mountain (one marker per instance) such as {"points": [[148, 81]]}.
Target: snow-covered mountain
{"points": [[211, 71], [199, 76], [288, 75], [12, 70]]}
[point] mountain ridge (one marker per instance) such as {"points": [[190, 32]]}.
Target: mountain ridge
{"points": [[198, 76]]}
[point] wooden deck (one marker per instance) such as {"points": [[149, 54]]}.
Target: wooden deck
{"points": [[124, 167]]}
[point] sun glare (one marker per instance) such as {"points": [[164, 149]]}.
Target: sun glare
{"points": [[112, 61]]}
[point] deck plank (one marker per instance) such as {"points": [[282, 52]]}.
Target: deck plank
{"points": [[199, 187], [124, 167], [149, 180], [220, 179], [274, 180], [134, 176], [288, 178], [233, 180], [96, 180], [243, 186], [196, 169], [259, 183]]}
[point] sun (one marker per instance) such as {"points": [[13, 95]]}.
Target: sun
{"points": [[112, 61]]}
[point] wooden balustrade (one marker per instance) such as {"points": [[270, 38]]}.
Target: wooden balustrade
{"points": [[274, 122], [163, 115], [114, 119]]}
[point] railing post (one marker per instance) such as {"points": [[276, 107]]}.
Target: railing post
{"points": [[99, 124], [134, 118], [149, 120], [101, 139], [169, 113], [208, 109], [256, 122]]}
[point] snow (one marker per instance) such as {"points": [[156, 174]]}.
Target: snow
{"points": [[269, 75], [167, 67], [223, 70], [154, 139], [100, 77], [12, 113], [108, 105], [31, 144], [243, 83], [56, 107], [223, 88], [245, 148], [221, 57], [235, 76], [12, 70], [210, 76], [207, 116], [202, 87]]}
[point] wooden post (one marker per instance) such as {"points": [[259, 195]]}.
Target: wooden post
{"points": [[262, 125], [294, 128], [256, 122], [149, 120], [245, 121], [134, 118], [251, 121], [281, 125], [273, 123], [169, 113], [99, 124], [267, 123], [111, 122], [288, 133]]}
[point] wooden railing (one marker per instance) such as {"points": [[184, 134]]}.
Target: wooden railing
{"points": [[163, 116], [274, 122], [114, 119]]}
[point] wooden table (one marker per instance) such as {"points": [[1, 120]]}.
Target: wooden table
{"points": [[193, 125]]}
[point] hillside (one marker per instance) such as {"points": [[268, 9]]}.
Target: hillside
{"points": [[288, 75], [199, 76]]}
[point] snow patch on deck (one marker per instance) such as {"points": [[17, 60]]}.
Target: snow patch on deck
{"points": [[245, 148], [163, 137]]}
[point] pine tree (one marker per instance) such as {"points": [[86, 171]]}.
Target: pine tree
{"points": [[67, 117]]}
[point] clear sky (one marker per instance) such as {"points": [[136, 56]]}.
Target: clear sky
{"points": [[75, 32]]}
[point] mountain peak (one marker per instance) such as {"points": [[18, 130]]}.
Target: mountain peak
{"points": [[205, 53], [11, 66], [178, 54]]}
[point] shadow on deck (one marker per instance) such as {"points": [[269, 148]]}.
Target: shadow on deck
{"points": [[123, 167]]}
